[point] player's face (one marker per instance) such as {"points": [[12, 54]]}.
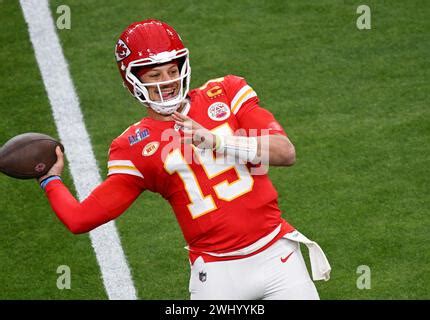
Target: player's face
{"points": [[165, 72]]}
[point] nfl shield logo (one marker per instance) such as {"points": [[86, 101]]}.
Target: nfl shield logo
{"points": [[202, 276]]}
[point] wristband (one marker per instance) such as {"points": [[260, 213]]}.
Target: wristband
{"points": [[244, 148], [45, 181]]}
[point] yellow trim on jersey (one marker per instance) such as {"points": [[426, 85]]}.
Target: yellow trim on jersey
{"points": [[239, 101], [123, 168]]}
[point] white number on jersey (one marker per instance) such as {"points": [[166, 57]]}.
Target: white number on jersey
{"points": [[227, 191]]}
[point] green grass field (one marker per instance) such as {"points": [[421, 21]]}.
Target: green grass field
{"points": [[355, 103]]}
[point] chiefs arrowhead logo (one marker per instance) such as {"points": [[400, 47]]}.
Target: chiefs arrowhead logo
{"points": [[121, 51]]}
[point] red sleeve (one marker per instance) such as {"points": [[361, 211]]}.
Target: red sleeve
{"points": [[109, 200], [244, 104], [258, 121]]}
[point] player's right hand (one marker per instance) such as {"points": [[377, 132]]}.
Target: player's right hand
{"points": [[58, 166]]}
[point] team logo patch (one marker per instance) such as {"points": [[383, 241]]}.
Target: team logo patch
{"points": [[138, 136], [150, 148], [121, 50], [218, 111]]}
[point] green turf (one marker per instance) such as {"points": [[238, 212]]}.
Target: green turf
{"points": [[33, 243], [353, 102]]}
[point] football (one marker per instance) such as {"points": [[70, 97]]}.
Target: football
{"points": [[28, 155]]}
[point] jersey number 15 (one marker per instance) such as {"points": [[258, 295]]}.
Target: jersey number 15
{"points": [[227, 191]]}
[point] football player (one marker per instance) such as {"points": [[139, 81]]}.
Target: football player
{"points": [[204, 151]]}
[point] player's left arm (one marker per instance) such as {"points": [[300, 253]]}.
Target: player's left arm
{"points": [[273, 143], [280, 152], [262, 141]]}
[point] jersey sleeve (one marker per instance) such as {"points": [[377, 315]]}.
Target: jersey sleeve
{"points": [[106, 202], [240, 94], [120, 161], [244, 104]]}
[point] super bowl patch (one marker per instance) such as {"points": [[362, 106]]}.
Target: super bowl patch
{"points": [[138, 136], [218, 111]]}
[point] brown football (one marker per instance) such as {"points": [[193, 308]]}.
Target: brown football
{"points": [[28, 155]]}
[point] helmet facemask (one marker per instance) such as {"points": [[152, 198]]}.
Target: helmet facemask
{"points": [[140, 90]]}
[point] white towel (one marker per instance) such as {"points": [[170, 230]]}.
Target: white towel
{"points": [[319, 264]]}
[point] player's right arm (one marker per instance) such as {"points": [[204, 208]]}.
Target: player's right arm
{"points": [[109, 200]]}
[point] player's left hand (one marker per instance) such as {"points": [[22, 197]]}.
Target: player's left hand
{"points": [[194, 132]]}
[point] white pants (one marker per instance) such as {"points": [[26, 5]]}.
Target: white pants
{"points": [[262, 276]]}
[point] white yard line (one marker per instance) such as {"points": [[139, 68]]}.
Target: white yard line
{"points": [[73, 134]]}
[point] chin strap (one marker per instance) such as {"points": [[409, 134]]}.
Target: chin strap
{"points": [[165, 111]]}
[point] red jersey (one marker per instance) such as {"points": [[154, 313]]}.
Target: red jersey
{"points": [[221, 207]]}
